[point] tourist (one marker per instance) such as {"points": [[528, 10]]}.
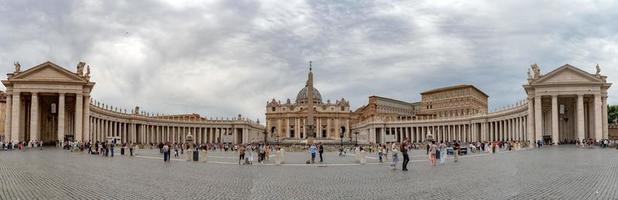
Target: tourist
{"points": [[313, 150], [131, 149], [241, 154], [250, 151], [442, 153], [456, 148], [380, 153], [175, 150], [124, 145], [321, 151], [111, 147], [166, 153], [395, 159], [404, 153], [433, 153]]}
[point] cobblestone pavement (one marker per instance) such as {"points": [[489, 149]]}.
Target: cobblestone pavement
{"points": [[564, 172]]}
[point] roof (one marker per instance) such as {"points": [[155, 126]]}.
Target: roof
{"points": [[454, 87], [390, 99]]}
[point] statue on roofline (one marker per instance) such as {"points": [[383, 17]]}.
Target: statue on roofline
{"points": [[80, 68], [598, 70], [17, 67]]}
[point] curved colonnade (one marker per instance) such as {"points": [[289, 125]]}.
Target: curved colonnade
{"points": [[145, 128], [505, 125]]}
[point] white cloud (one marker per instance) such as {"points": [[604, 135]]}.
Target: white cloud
{"points": [[223, 58]]}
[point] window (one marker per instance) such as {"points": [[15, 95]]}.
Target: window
{"points": [[273, 109]]}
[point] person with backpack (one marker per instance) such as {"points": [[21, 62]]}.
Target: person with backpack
{"points": [[404, 153]]}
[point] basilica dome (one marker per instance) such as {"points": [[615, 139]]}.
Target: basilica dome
{"points": [[302, 96]]}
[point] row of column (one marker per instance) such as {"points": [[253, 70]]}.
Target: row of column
{"points": [[510, 129], [103, 129], [598, 122], [459, 132], [14, 108], [513, 129]]}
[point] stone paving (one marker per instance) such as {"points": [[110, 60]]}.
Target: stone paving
{"points": [[564, 172]]}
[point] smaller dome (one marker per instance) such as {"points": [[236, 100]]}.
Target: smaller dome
{"points": [[303, 97]]}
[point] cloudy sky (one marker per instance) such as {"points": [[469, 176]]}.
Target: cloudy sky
{"points": [[224, 58]]}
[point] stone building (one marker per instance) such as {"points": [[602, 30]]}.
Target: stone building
{"points": [[50, 103], [457, 100], [287, 122], [564, 105], [390, 109]]}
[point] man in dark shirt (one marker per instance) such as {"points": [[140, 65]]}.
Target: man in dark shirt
{"points": [[404, 151], [321, 151]]}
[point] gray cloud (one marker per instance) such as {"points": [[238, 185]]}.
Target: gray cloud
{"points": [[223, 58]]}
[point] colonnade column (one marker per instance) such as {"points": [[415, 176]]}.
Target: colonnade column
{"points": [[86, 117], [604, 113], [580, 117], [78, 117], [538, 119], [598, 116], [15, 115], [34, 117], [554, 119]]}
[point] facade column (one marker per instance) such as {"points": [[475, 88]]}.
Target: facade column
{"points": [[530, 121], [78, 117], [34, 117], [598, 117], [604, 113], [554, 119], [538, 118], [86, 117], [580, 117], [15, 125]]}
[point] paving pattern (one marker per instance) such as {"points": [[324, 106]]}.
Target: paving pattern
{"points": [[564, 172]]}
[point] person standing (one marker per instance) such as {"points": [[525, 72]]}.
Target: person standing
{"points": [[166, 152], [456, 147], [442, 153], [321, 151], [112, 145], [433, 153], [380, 153], [395, 159], [313, 150], [241, 154], [404, 154], [131, 149]]}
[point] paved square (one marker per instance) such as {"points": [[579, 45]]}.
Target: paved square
{"points": [[563, 172]]}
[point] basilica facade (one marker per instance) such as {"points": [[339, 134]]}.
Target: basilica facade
{"points": [[288, 122]]}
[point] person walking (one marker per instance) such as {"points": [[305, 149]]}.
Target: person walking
{"points": [[321, 151], [404, 154]]}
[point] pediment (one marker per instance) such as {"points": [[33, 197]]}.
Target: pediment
{"points": [[48, 71], [567, 74]]}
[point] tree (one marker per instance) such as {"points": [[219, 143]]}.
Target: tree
{"points": [[612, 113]]}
